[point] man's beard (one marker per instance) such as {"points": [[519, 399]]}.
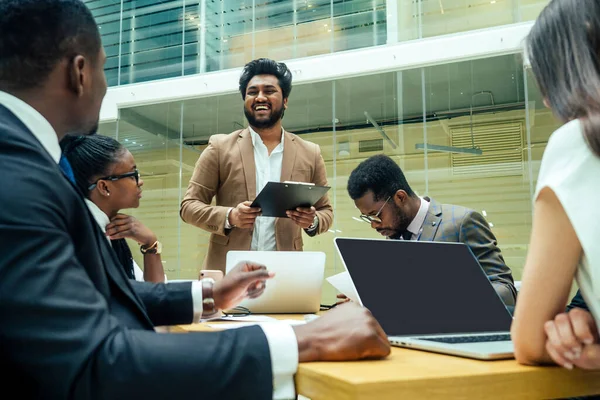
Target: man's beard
{"points": [[276, 115], [400, 223]]}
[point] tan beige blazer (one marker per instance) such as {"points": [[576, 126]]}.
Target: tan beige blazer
{"points": [[226, 170]]}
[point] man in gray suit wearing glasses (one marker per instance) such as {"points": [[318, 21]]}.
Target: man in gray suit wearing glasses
{"points": [[383, 196]]}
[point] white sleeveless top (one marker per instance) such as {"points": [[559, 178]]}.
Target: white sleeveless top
{"points": [[572, 171]]}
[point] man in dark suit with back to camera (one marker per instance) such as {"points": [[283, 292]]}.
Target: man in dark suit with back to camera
{"points": [[383, 196], [71, 324]]}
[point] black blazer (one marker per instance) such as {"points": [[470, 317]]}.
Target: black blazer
{"points": [[577, 302], [73, 326]]}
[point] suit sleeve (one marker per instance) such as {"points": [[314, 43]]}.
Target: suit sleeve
{"points": [[166, 303], [196, 208], [323, 206], [476, 233], [59, 336]]}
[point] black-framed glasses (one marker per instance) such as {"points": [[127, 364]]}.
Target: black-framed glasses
{"points": [[374, 218], [135, 174]]}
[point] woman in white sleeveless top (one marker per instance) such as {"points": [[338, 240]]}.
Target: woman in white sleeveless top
{"points": [[564, 50]]}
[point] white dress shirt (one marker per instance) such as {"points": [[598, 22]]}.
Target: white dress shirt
{"points": [[416, 225], [268, 169], [283, 345]]}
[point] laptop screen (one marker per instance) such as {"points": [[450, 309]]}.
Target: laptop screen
{"points": [[418, 288]]}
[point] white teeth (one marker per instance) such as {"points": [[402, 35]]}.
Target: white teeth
{"points": [[261, 108]]}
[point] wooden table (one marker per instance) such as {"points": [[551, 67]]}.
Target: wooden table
{"points": [[414, 374]]}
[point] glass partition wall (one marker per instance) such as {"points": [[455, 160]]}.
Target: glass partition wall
{"points": [[149, 39], [470, 133]]}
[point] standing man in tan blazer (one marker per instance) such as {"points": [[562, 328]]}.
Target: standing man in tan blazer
{"points": [[236, 167]]}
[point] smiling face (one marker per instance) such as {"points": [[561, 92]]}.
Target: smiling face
{"points": [[264, 103]]}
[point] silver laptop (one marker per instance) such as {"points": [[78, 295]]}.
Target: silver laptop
{"points": [[430, 296], [297, 285]]}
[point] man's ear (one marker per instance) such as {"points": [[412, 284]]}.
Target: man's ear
{"points": [[400, 197], [285, 103], [76, 75]]}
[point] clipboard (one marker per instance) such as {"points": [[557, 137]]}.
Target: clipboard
{"points": [[278, 197]]}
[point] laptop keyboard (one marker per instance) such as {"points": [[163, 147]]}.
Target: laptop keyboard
{"points": [[468, 339]]}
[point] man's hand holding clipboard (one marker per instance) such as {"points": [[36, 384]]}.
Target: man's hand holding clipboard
{"points": [[243, 215], [294, 200], [303, 217]]}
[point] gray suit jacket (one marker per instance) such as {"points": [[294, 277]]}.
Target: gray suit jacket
{"points": [[450, 223]]}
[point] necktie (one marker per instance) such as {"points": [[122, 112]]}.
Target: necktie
{"points": [[65, 167], [406, 235]]}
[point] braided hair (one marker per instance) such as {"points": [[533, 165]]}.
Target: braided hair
{"points": [[92, 157]]}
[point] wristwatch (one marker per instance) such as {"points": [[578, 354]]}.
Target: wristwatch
{"points": [[208, 301], [227, 223], [155, 248], [314, 225]]}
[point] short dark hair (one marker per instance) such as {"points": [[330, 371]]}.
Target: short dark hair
{"points": [[379, 174], [90, 156], [37, 34], [563, 47], [266, 66]]}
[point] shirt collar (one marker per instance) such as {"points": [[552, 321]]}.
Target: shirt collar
{"points": [[101, 218], [257, 139], [419, 219], [35, 122]]}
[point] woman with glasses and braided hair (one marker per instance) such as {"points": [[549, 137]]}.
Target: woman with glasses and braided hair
{"points": [[106, 174]]}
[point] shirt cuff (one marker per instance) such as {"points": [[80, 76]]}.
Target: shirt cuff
{"points": [[313, 228], [283, 347], [227, 224], [197, 300]]}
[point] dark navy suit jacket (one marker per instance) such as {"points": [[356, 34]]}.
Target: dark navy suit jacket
{"points": [[73, 326]]}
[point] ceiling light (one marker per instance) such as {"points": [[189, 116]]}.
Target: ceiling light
{"points": [[450, 149], [380, 130]]}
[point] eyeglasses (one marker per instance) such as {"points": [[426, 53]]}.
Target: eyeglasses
{"points": [[374, 218], [135, 174]]}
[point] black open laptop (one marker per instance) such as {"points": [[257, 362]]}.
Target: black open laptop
{"points": [[431, 296]]}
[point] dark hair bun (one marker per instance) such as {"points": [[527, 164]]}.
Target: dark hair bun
{"points": [[70, 142]]}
